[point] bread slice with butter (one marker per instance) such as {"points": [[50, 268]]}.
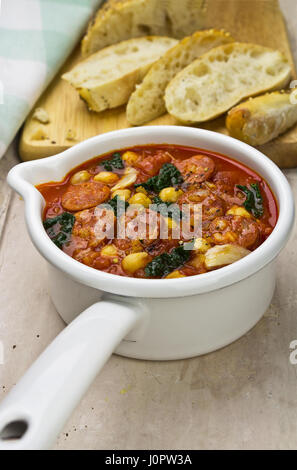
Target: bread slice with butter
{"points": [[118, 20], [261, 119], [107, 78], [147, 101], [222, 77]]}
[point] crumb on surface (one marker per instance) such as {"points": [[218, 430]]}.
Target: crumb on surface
{"points": [[71, 134], [41, 115]]}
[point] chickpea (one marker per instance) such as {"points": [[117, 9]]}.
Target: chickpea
{"points": [[109, 250], [170, 194], [175, 275], [123, 194], [130, 157], [106, 177], [219, 238], [140, 198], [201, 245], [135, 261], [141, 189], [221, 224], [238, 210], [80, 177], [225, 237]]}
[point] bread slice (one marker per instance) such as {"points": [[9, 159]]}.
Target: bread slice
{"points": [[107, 78], [118, 20], [261, 119], [222, 77], [147, 101]]}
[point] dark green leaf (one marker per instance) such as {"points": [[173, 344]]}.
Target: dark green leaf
{"points": [[115, 162], [167, 262], [59, 228], [254, 200], [169, 175]]}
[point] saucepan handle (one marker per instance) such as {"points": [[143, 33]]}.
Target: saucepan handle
{"points": [[37, 408]]}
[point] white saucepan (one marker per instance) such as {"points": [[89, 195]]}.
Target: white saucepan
{"points": [[139, 318]]}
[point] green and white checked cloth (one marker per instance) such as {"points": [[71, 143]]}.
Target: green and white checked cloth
{"points": [[36, 36]]}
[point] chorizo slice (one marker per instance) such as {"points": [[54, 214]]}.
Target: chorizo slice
{"points": [[236, 229], [94, 225], [212, 205], [226, 183], [152, 164], [248, 231], [196, 169], [85, 195]]}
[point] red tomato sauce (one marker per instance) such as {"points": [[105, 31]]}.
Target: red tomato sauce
{"points": [[239, 210]]}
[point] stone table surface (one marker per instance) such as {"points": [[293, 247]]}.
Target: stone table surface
{"points": [[241, 397]]}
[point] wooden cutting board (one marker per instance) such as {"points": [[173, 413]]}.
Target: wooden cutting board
{"points": [[257, 21]]}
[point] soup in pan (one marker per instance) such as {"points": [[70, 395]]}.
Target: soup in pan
{"points": [[159, 211]]}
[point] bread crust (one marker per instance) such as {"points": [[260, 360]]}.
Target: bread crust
{"points": [[107, 78], [147, 101], [222, 77], [118, 20], [261, 119]]}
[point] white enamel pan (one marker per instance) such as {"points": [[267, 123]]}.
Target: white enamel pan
{"points": [[139, 318]]}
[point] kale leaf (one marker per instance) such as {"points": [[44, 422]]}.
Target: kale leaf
{"points": [[167, 262], [59, 228], [254, 200], [115, 162], [168, 175]]}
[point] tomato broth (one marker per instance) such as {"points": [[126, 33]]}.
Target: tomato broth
{"points": [[238, 211]]}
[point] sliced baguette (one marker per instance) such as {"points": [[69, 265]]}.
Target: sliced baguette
{"points": [[147, 101], [261, 119], [118, 20], [222, 77], [107, 78]]}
